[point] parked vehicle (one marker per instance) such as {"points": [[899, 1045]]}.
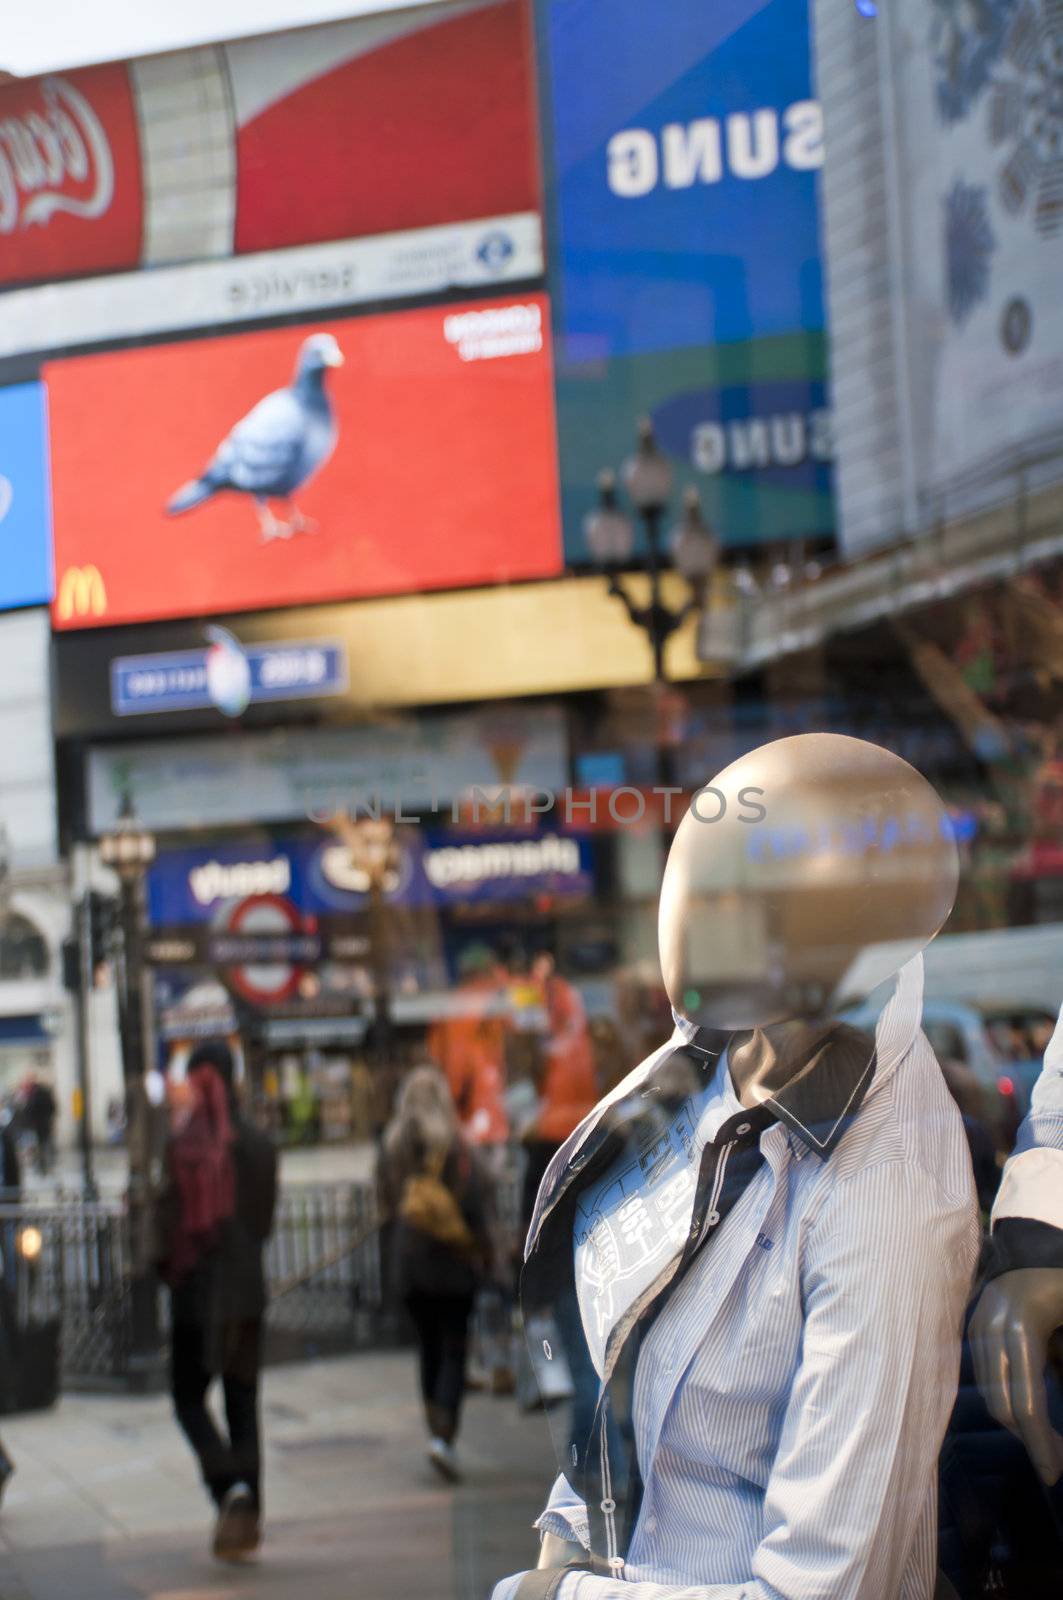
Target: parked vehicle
{"points": [[990, 1052]]}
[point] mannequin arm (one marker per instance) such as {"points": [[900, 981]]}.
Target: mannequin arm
{"points": [[555, 1552], [1022, 1305], [1010, 1333]]}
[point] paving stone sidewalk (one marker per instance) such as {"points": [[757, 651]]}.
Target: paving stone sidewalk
{"points": [[106, 1504]]}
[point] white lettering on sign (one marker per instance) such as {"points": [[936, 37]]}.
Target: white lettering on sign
{"points": [[747, 145], [486, 335], [749, 443], [519, 858], [217, 880], [284, 669], [40, 153]]}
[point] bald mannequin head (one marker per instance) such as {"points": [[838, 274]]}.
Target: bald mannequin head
{"points": [[762, 917]]}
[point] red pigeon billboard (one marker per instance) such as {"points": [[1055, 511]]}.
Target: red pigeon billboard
{"points": [[371, 456]]}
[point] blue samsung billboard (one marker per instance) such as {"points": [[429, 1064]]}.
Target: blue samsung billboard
{"points": [[25, 498], [682, 148]]}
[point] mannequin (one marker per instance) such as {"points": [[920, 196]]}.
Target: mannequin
{"points": [[767, 925]]}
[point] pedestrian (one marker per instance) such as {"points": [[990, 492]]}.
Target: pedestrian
{"points": [[10, 1194], [39, 1117], [468, 1043], [434, 1188], [568, 1089], [215, 1218]]}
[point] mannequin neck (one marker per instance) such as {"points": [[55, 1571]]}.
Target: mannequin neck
{"points": [[763, 1062]]}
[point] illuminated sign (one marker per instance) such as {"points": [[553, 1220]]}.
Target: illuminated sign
{"points": [[368, 127], [378, 455], [686, 275], [226, 675], [25, 498], [81, 595], [70, 175]]}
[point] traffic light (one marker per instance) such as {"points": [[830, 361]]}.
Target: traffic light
{"points": [[103, 927], [71, 965]]}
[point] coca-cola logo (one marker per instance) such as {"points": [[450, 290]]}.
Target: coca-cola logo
{"points": [[54, 159]]}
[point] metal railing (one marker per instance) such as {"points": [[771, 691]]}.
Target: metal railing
{"points": [[65, 1269]]}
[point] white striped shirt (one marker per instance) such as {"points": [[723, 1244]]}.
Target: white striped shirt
{"points": [[791, 1399]]}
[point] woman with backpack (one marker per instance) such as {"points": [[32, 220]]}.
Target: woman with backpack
{"points": [[437, 1196]]}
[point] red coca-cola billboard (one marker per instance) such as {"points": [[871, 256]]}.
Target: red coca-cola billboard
{"points": [[402, 121], [376, 127], [70, 175]]}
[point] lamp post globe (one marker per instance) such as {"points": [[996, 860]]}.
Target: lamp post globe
{"points": [[648, 473], [695, 549], [607, 530]]}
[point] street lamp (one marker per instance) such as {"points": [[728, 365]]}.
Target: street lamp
{"points": [[647, 477], [375, 854], [129, 850]]}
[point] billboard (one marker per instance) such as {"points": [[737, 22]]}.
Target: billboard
{"points": [[25, 499], [308, 279], [284, 774], [681, 185], [435, 867], [410, 120], [378, 455], [383, 123], [981, 186], [71, 196]]}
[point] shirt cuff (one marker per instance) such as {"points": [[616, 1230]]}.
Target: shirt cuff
{"points": [[1018, 1243], [1032, 1187], [572, 1530]]}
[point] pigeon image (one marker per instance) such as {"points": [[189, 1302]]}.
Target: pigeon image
{"points": [[277, 447]]}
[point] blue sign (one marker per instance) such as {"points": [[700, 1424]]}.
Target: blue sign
{"points": [[226, 675], [435, 867], [684, 146], [26, 572], [683, 149]]}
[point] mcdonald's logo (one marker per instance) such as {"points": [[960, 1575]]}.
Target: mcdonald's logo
{"points": [[81, 594]]}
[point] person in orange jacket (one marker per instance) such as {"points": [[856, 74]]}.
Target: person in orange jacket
{"points": [[569, 1086], [469, 1046]]}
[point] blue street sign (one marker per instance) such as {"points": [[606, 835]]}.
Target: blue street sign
{"points": [[226, 675]]}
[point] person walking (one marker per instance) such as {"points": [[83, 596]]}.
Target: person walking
{"points": [[569, 1089], [216, 1216], [39, 1117], [434, 1189], [10, 1194]]}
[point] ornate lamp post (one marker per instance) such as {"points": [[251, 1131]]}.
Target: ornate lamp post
{"points": [[129, 850], [375, 854], [647, 477]]}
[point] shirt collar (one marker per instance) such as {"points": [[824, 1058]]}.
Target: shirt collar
{"points": [[817, 1107]]}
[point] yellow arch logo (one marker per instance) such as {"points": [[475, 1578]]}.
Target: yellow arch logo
{"points": [[81, 594]]}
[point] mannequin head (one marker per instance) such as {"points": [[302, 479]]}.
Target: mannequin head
{"points": [[763, 917]]}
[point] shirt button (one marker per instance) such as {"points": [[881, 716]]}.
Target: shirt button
{"points": [[547, 1352], [714, 1217]]}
